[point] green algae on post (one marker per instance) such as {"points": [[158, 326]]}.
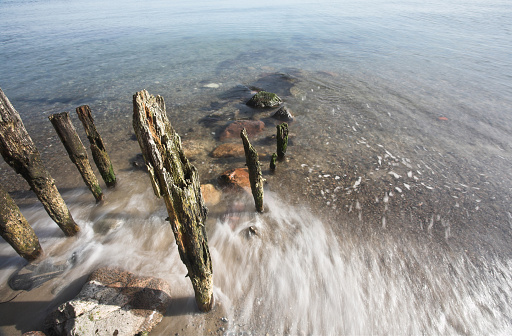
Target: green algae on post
{"points": [[177, 181], [99, 153], [19, 151], [255, 176], [15, 230]]}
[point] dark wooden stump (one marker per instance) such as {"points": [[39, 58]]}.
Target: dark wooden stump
{"points": [[15, 230], [273, 160], [255, 176], [76, 151], [282, 140], [21, 154], [177, 181], [99, 153]]}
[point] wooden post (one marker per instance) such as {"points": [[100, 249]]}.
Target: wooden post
{"points": [[177, 181], [273, 160], [15, 230], [282, 139], [76, 151], [255, 176], [19, 151], [99, 153]]}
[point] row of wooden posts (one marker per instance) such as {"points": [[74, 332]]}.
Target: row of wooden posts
{"points": [[172, 176], [20, 152]]}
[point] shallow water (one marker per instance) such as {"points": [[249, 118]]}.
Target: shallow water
{"points": [[390, 215]]}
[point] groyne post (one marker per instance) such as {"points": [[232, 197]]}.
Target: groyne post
{"points": [[15, 230], [255, 176], [177, 181], [76, 151], [99, 153], [282, 140], [19, 151], [273, 160]]}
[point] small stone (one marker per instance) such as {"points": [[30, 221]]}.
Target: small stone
{"points": [[253, 127], [223, 319], [228, 150], [264, 99], [236, 178], [283, 114], [210, 194], [212, 85]]}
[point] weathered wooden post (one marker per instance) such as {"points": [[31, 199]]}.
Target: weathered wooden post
{"points": [[15, 230], [19, 151], [177, 181], [255, 176], [282, 139], [273, 160], [99, 153], [76, 151]]}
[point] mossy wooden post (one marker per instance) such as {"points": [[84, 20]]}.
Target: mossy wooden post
{"points": [[19, 151], [76, 151], [177, 181], [99, 153], [273, 160], [282, 140], [255, 176], [15, 229]]}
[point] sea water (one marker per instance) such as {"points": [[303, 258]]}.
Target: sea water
{"points": [[391, 214]]}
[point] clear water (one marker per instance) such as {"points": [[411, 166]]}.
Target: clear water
{"points": [[392, 214]]}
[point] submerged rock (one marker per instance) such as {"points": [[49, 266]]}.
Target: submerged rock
{"points": [[237, 178], [283, 114], [210, 194], [252, 127], [112, 302], [229, 150], [264, 99]]}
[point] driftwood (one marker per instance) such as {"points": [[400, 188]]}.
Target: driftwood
{"points": [[15, 230], [282, 140], [177, 181], [255, 176], [19, 151], [76, 151], [99, 153]]}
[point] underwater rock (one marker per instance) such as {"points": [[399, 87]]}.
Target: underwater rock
{"points": [[237, 178], [112, 302], [233, 130], [264, 99], [228, 150], [210, 194], [283, 114], [193, 148]]}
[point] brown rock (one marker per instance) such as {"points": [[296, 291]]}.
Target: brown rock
{"points": [[236, 178], [229, 150], [210, 194], [112, 302], [253, 127]]}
